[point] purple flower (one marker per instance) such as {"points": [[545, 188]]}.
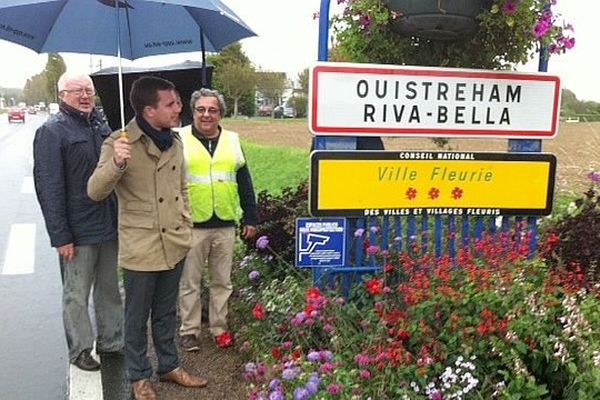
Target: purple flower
{"points": [[325, 355], [365, 374], [289, 374], [594, 176], [301, 393], [254, 275], [374, 229], [262, 242], [274, 384], [313, 356], [359, 232], [437, 395], [276, 395], [312, 387]]}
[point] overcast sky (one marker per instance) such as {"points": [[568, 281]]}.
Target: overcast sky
{"points": [[287, 41]]}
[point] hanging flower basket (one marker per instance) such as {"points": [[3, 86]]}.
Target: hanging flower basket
{"points": [[436, 19], [487, 34]]}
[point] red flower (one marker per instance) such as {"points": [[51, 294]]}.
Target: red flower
{"points": [[434, 193], [258, 311], [313, 293], [224, 339], [374, 286], [411, 193], [276, 353], [457, 193]]}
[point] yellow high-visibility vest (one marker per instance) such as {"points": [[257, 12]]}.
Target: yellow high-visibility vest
{"points": [[211, 181]]}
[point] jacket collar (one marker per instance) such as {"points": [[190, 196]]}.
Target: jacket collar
{"points": [[136, 134]]}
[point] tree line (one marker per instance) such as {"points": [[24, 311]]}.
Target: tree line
{"points": [[244, 86]]}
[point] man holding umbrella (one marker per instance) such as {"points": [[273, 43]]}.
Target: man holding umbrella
{"points": [[145, 167]]}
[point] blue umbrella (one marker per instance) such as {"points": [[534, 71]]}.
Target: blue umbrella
{"points": [[131, 30]]}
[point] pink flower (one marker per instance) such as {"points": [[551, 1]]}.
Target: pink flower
{"points": [[334, 388]]}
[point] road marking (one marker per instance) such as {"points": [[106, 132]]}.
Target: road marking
{"points": [[27, 186], [85, 385], [20, 252]]}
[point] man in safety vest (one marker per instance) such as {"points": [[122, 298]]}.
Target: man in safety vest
{"points": [[221, 194]]}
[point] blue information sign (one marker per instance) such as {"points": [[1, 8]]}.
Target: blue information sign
{"points": [[320, 242]]}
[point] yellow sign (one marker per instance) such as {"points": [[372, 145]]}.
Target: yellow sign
{"points": [[359, 183]]}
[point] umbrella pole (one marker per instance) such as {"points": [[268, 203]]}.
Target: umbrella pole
{"points": [[120, 70], [203, 49]]}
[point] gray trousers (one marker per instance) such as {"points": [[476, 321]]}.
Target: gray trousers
{"points": [[92, 267], [151, 295]]}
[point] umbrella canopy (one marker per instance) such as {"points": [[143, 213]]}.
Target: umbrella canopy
{"points": [[128, 29], [186, 77], [144, 27]]}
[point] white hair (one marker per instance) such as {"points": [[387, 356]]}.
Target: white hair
{"points": [[71, 76]]}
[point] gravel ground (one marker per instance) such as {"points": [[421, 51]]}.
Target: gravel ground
{"points": [[222, 368]]}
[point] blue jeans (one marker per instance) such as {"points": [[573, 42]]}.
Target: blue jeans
{"points": [[93, 266], [154, 295]]}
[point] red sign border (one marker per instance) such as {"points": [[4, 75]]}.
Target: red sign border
{"points": [[428, 71]]}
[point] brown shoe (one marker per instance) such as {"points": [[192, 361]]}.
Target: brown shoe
{"points": [[183, 378], [142, 390]]}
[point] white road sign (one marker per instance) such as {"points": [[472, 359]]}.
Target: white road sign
{"points": [[370, 99]]}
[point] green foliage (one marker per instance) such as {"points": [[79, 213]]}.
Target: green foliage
{"points": [[275, 168], [573, 235], [55, 67], [277, 219], [234, 77]]}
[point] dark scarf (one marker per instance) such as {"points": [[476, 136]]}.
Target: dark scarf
{"points": [[163, 139]]}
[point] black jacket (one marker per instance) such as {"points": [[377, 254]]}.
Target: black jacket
{"points": [[66, 149]]}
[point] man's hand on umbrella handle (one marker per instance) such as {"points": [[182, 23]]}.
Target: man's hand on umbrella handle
{"points": [[67, 251], [122, 150]]}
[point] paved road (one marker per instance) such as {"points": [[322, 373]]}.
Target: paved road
{"points": [[32, 344]]}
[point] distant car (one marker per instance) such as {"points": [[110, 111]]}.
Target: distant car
{"points": [[289, 112], [265, 110], [278, 112], [16, 114], [31, 110]]}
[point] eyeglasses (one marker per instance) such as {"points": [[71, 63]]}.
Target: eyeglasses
{"points": [[211, 111], [79, 92]]}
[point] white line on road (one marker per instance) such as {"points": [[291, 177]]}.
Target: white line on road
{"points": [[20, 252], [85, 385], [27, 186]]}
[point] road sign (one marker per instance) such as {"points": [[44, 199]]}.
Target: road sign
{"points": [[363, 183], [320, 242], [370, 99]]}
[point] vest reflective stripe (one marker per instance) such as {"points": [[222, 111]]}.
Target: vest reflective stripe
{"points": [[212, 185], [219, 176]]}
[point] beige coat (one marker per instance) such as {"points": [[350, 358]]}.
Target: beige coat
{"points": [[154, 218]]}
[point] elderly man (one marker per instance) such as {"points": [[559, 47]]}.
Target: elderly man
{"points": [[146, 169], [83, 231]]}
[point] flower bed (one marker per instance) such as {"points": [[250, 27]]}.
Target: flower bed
{"points": [[493, 324]]}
